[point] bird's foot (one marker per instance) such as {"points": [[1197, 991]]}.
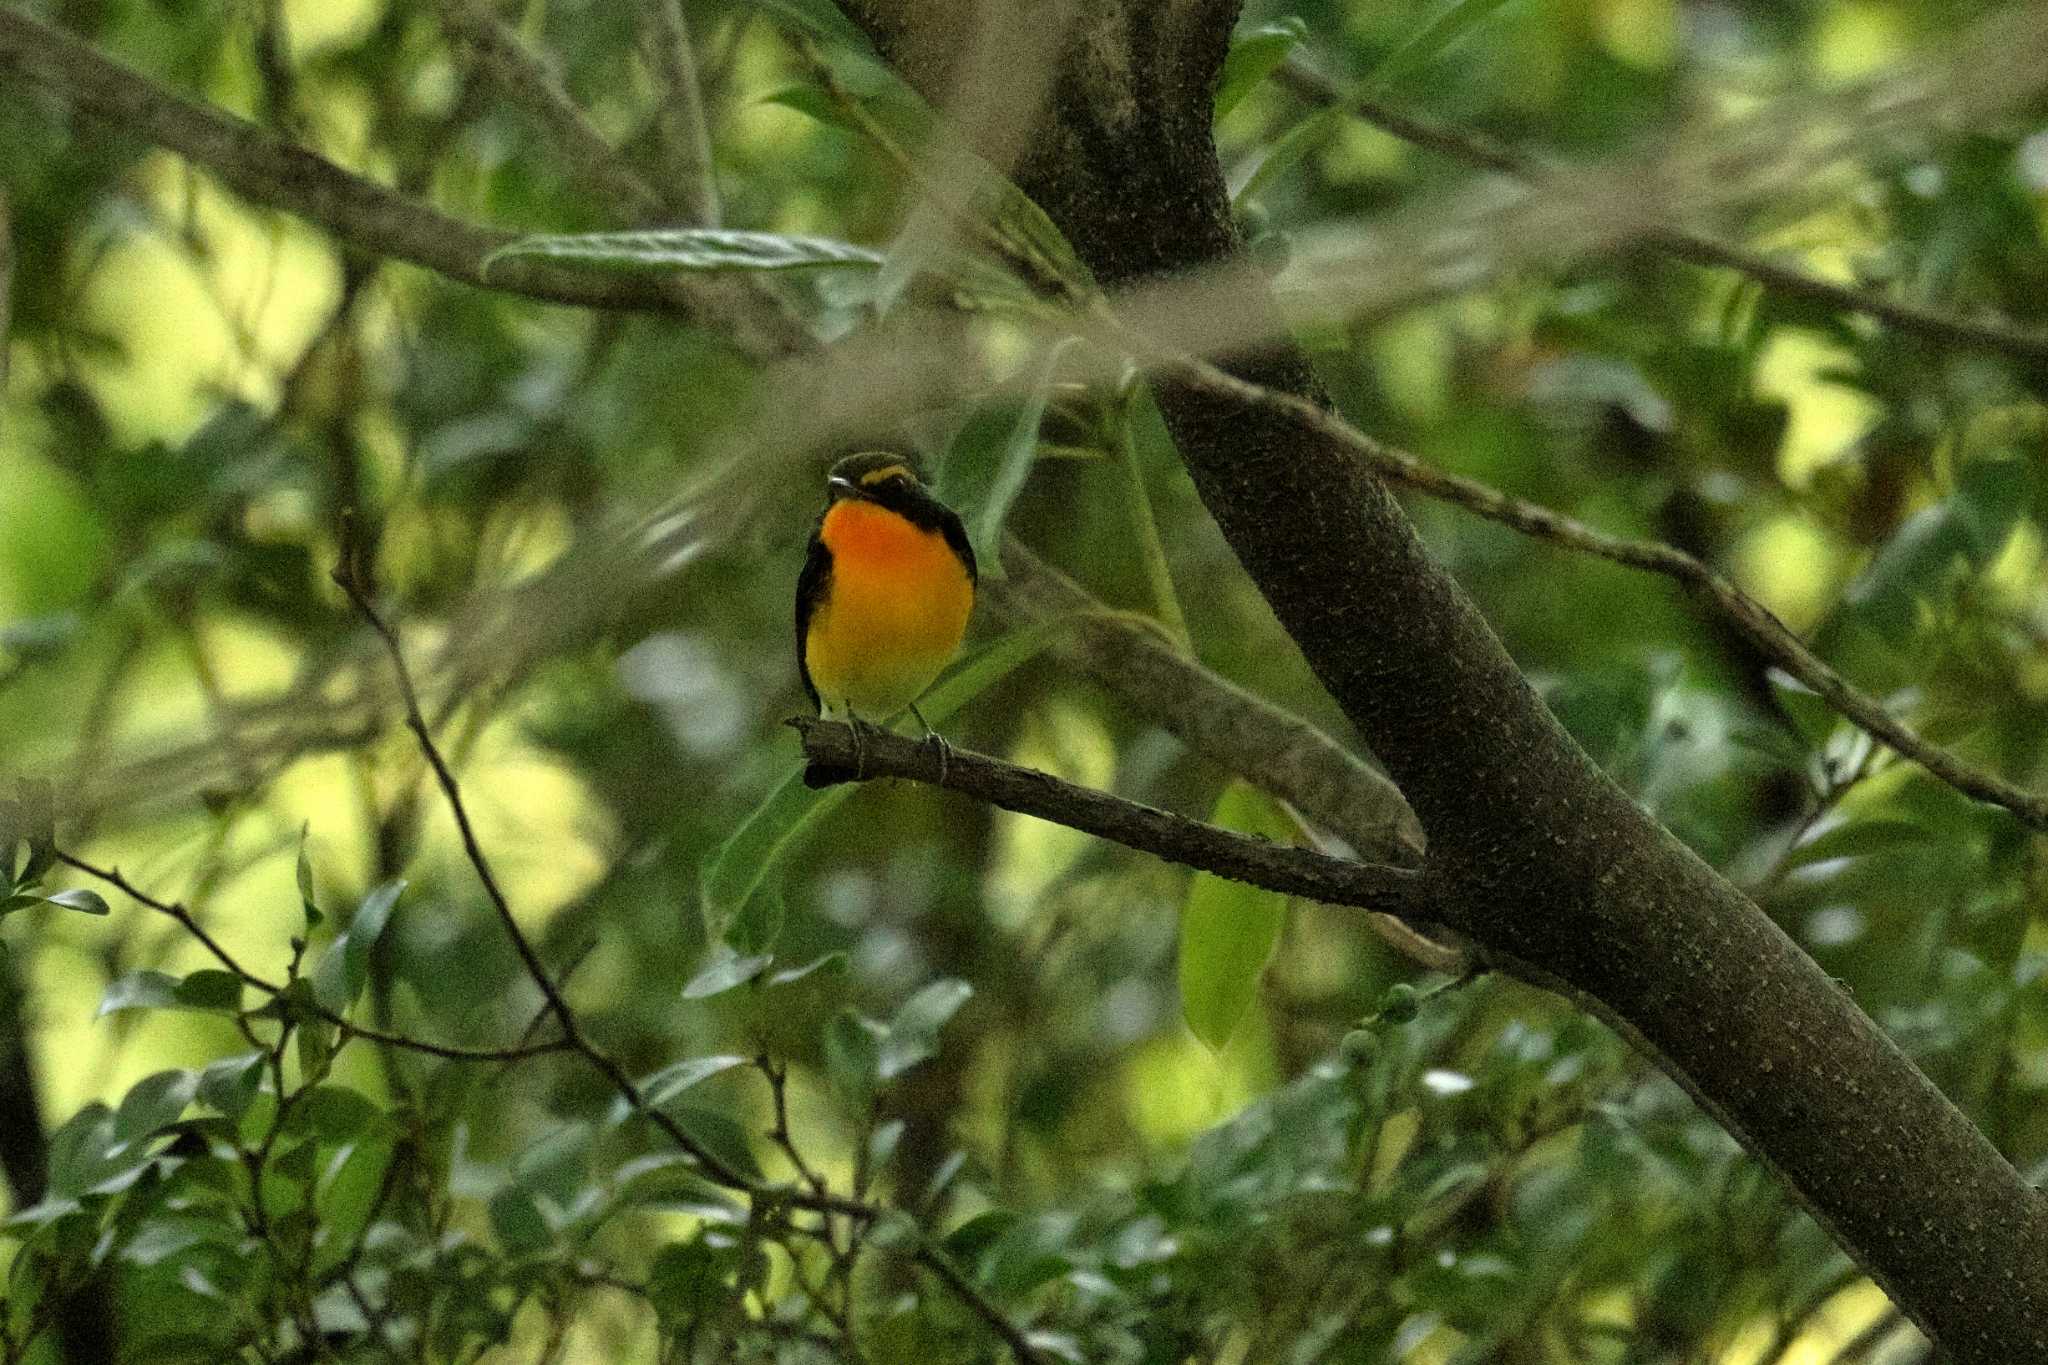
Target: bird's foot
{"points": [[942, 749]]}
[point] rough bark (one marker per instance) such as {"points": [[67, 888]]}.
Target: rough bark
{"points": [[1538, 855]]}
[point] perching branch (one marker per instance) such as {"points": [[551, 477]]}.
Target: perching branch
{"points": [[1682, 243], [835, 755], [347, 576], [270, 171], [1237, 731], [527, 79]]}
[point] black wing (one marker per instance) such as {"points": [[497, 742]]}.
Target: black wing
{"points": [[810, 591], [956, 536]]}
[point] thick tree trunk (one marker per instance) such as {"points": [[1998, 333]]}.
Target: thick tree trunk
{"points": [[1537, 855]]}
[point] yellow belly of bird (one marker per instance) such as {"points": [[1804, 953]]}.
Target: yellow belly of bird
{"points": [[893, 617]]}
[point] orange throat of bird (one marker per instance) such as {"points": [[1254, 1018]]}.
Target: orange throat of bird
{"points": [[893, 615]]}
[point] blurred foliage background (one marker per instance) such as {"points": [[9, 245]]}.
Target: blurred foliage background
{"points": [[1379, 1163]]}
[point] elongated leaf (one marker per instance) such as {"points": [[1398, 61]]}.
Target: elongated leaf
{"points": [[1290, 151], [1452, 21], [913, 1034], [990, 459], [153, 1102], [673, 1079], [1253, 57], [303, 870], [345, 968], [204, 992], [723, 971], [1228, 930], [1861, 838], [744, 866], [699, 249], [83, 901], [853, 1051]]}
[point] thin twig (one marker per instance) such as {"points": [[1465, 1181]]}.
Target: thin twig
{"points": [[113, 877], [526, 78], [1750, 617], [1682, 243], [347, 576], [835, 753], [271, 171]]}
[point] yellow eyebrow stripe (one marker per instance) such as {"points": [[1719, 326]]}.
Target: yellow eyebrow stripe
{"points": [[887, 471]]}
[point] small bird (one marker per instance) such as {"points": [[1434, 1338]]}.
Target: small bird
{"points": [[885, 593]]}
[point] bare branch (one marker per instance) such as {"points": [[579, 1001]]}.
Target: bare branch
{"points": [[526, 78], [685, 131], [191, 925], [836, 754], [1682, 243], [1750, 617], [270, 171]]}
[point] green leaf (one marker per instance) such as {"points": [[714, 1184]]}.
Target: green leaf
{"points": [[154, 1102], [1918, 563], [913, 1035], [819, 18], [345, 967], [315, 1039], [1228, 930], [1991, 497], [719, 1133], [853, 1051], [80, 1151], [344, 1196], [203, 992], [662, 250], [229, 1084], [989, 460], [725, 970], [1253, 57], [743, 867], [1452, 21], [687, 1282], [673, 1079], [809, 100], [1810, 713], [1289, 151], [79, 899], [211, 990], [304, 872], [334, 1114], [1861, 838], [835, 960]]}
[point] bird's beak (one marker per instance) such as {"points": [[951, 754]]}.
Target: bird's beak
{"points": [[837, 487]]}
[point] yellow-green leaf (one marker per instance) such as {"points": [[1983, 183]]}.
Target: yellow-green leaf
{"points": [[1228, 930]]}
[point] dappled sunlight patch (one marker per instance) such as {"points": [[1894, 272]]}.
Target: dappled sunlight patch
{"points": [[1065, 739], [1791, 566], [1825, 417]]}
